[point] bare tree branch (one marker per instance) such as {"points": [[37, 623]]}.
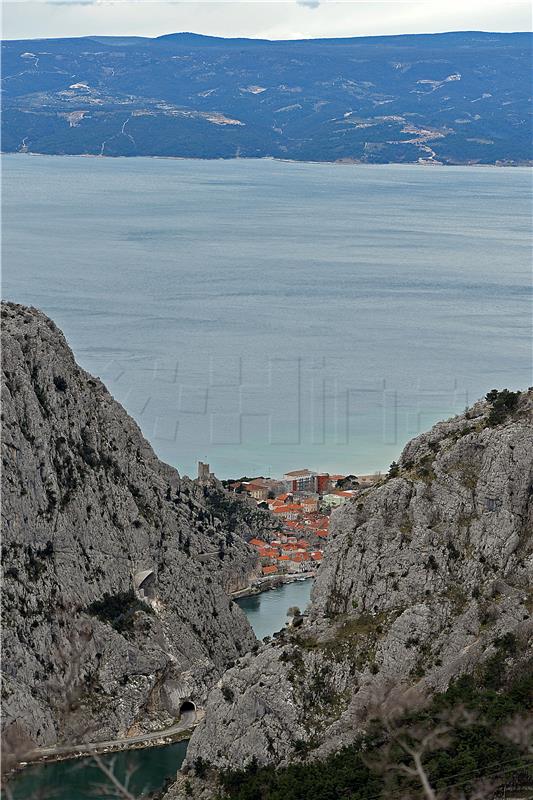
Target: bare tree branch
{"points": [[110, 775]]}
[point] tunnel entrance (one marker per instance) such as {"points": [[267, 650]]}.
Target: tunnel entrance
{"points": [[187, 707], [144, 583]]}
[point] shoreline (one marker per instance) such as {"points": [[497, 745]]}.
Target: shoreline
{"points": [[339, 163], [150, 739], [80, 751], [266, 584]]}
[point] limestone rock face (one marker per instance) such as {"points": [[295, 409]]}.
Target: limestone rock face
{"points": [[115, 568], [421, 575]]}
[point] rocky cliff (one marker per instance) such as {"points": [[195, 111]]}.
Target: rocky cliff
{"points": [[421, 578], [114, 567], [241, 513]]}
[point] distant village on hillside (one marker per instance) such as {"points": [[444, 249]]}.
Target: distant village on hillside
{"points": [[302, 501]]}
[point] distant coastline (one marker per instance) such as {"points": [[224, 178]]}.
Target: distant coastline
{"points": [[415, 100], [340, 163]]}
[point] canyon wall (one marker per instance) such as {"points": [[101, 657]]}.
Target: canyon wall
{"points": [[115, 568]]}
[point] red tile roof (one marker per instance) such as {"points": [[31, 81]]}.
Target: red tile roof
{"points": [[299, 557], [258, 543], [267, 552]]}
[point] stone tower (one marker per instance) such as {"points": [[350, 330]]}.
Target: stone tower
{"points": [[203, 472]]}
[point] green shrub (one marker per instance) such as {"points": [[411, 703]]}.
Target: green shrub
{"points": [[60, 383], [472, 751], [200, 767], [228, 694], [394, 470], [118, 610], [502, 404]]}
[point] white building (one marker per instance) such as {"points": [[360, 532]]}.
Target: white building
{"points": [[301, 480]]}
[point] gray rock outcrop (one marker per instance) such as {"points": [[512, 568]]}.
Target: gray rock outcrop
{"points": [[115, 568], [422, 574]]}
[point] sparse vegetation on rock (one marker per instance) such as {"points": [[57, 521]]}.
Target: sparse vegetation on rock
{"points": [[425, 578]]}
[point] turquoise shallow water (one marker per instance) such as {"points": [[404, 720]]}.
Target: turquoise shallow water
{"points": [[267, 612], [266, 316]]}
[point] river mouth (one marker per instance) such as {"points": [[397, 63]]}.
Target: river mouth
{"points": [[150, 769]]}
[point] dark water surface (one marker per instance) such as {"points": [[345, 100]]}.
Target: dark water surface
{"points": [[268, 316], [82, 780]]}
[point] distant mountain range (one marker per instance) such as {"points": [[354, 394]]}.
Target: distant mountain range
{"points": [[454, 98]]}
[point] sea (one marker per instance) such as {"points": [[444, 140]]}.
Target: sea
{"points": [[266, 316]]}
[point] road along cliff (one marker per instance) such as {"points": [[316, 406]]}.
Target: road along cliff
{"points": [[426, 577], [115, 620]]}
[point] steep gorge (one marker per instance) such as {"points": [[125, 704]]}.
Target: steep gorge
{"points": [[116, 571], [115, 568], [423, 577]]}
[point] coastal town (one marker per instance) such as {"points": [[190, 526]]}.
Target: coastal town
{"points": [[301, 502]]}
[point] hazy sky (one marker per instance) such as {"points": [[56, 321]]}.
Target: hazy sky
{"points": [[265, 18]]}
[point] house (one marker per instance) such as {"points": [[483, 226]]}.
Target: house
{"points": [[258, 543], [318, 522], [309, 504], [334, 499], [257, 490], [301, 480], [291, 525], [289, 548], [324, 482], [235, 486], [283, 562], [290, 538], [267, 552], [286, 497], [270, 570], [299, 562], [287, 511]]}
